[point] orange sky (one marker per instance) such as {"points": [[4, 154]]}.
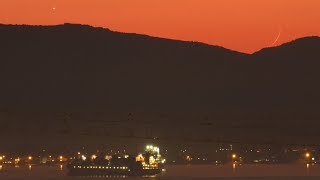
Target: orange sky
{"points": [[242, 25]]}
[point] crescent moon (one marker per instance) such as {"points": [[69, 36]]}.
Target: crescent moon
{"points": [[276, 40]]}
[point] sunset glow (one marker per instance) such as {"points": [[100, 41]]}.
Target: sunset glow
{"points": [[245, 26]]}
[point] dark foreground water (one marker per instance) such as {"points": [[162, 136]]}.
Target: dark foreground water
{"points": [[178, 172]]}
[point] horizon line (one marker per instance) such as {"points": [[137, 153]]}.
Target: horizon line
{"points": [[106, 28]]}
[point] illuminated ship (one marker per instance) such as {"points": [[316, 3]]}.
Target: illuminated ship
{"points": [[147, 163]]}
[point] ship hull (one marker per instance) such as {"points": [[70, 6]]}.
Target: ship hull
{"points": [[104, 171]]}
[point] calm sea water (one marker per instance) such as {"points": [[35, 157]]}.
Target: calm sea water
{"points": [[179, 172]]}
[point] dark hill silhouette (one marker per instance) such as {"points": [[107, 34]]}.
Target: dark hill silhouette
{"points": [[289, 72], [77, 68]]}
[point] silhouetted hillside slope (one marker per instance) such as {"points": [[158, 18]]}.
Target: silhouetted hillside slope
{"points": [[289, 73], [78, 68], [75, 67]]}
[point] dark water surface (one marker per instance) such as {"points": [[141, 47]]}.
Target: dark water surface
{"points": [[178, 172]]}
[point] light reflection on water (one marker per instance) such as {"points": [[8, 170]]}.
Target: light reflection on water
{"points": [[234, 167], [173, 172]]}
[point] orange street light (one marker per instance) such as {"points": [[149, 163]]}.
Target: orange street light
{"points": [[234, 156], [307, 155]]}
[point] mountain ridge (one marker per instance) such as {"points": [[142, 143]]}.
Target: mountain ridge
{"points": [[291, 44], [88, 28], [104, 29]]}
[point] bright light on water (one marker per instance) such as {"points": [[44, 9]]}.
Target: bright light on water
{"points": [[234, 167]]}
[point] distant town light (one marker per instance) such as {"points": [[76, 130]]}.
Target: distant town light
{"points": [[307, 155], [234, 156], [16, 161], [30, 157], [163, 161], [107, 157], [188, 158], [93, 157]]}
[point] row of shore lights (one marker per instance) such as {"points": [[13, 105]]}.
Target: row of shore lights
{"points": [[99, 167], [307, 156]]}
